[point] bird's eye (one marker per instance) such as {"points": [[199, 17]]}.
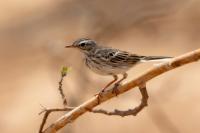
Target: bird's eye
{"points": [[82, 44]]}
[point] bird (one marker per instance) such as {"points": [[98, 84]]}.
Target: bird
{"points": [[110, 61]]}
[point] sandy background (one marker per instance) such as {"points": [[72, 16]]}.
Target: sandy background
{"points": [[33, 34]]}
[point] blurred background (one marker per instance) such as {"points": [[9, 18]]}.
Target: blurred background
{"points": [[33, 34]]}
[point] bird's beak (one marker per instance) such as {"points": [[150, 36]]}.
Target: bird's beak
{"points": [[69, 46]]}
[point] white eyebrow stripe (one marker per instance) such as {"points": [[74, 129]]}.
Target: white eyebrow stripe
{"points": [[84, 41]]}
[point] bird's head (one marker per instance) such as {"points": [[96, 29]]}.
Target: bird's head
{"points": [[83, 44]]}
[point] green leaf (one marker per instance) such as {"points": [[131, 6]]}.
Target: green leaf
{"points": [[65, 70]]}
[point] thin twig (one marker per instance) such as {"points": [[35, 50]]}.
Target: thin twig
{"points": [[150, 74], [61, 89]]}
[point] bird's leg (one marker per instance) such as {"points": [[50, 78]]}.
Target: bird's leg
{"points": [[109, 84], [117, 84]]}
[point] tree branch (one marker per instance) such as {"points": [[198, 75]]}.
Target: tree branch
{"points": [[63, 74], [150, 74]]}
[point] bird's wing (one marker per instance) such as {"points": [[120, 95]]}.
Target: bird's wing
{"points": [[125, 57], [116, 57]]}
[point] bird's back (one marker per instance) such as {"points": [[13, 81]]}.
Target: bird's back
{"points": [[108, 61]]}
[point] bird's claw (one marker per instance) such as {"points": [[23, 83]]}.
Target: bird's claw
{"points": [[99, 95], [115, 89]]}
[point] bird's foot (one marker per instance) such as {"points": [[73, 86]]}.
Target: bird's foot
{"points": [[115, 89], [99, 95]]}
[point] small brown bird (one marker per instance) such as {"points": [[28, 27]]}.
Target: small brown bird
{"points": [[109, 61]]}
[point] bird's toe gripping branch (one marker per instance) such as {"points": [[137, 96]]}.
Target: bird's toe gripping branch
{"points": [[115, 89]]}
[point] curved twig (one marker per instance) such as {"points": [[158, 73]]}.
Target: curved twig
{"points": [[150, 74], [61, 90]]}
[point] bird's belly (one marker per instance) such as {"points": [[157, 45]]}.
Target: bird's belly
{"points": [[104, 69]]}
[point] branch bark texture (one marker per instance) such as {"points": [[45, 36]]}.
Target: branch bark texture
{"points": [[148, 75]]}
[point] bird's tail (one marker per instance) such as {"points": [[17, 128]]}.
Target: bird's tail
{"points": [[155, 58]]}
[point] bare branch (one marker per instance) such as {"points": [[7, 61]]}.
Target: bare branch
{"points": [[63, 74], [61, 91], [94, 101]]}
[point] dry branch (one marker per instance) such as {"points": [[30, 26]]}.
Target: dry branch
{"points": [[63, 74], [94, 101]]}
